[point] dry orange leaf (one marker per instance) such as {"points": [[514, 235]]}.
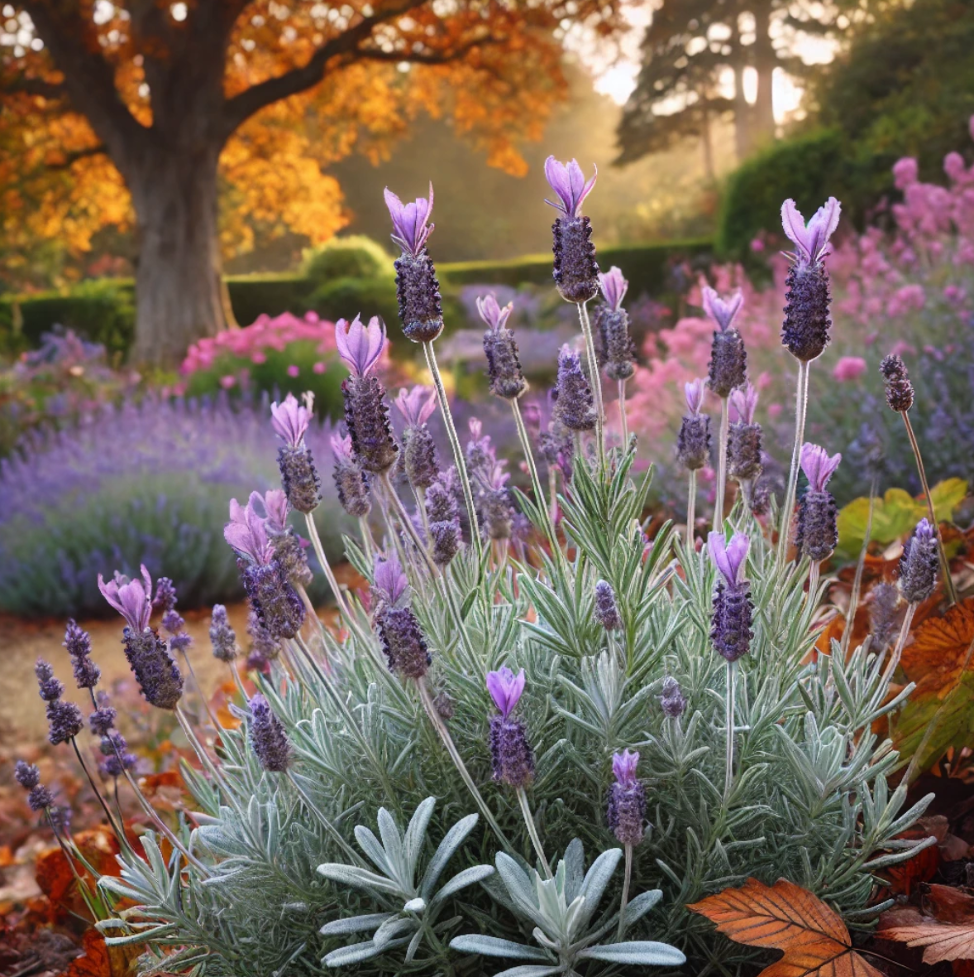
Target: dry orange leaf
{"points": [[922, 867], [100, 960], [945, 930], [784, 916]]}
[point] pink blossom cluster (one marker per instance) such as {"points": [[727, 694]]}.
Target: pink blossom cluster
{"points": [[253, 341]]}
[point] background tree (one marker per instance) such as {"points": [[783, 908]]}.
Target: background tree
{"points": [[168, 104]]}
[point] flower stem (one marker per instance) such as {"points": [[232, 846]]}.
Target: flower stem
{"points": [[623, 419], [595, 379], [522, 799], [801, 407], [691, 508], [368, 544], [458, 458], [722, 463], [407, 523], [850, 618], [326, 566], [625, 894], [116, 830], [931, 515], [729, 754], [894, 658], [437, 720], [539, 495]]}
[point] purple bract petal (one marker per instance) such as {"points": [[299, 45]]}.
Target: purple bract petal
{"points": [[290, 420], [360, 346], [410, 222], [341, 447], [569, 185], [811, 239], [131, 598], [247, 534], [505, 689], [614, 287], [416, 405], [275, 505], [390, 582], [818, 466], [729, 557], [694, 392], [722, 311], [624, 768], [492, 313], [743, 403]]}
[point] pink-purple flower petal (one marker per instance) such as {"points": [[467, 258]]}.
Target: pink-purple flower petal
{"points": [[614, 286], [729, 557], [818, 466], [360, 346], [569, 185], [505, 689]]}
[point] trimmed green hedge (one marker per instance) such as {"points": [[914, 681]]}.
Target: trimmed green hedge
{"points": [[104, 310]]}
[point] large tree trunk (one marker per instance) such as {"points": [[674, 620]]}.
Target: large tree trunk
{"points": [[742, 111], [177, 281], [765, 62]]}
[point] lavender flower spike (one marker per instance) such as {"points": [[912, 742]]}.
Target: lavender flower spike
{"points": [[222, 636], [351, 482], [505, 689], [267, 736], [131, 598], [575, 269], [617, 350], [896, 379], [744, 436], [298, 473], [730, 631], [574, 401], [672, 701], [818, 531], [395, 623], [607, 607], [418, 291], [693, 440], [728, 358], [500, 348], [360, 346], [626, 806], [805, 331], [420, 458], [919, 563]]}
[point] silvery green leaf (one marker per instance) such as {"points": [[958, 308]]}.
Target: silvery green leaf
{"points": [[392, 928], [531, 971], [596, 879], [453, 839], [370, 845], [461, 880], [357, 877], [413, 946], [637, 952], [491, 946], [574, 869], [641, 905], [392, 843], [354, 924], [519, 888], [416, 833], [355, 953]]}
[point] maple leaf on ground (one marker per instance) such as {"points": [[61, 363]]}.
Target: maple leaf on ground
{"points": [[784, 916], [946, 929]]}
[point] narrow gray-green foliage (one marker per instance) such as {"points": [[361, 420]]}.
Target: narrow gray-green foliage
{"points": [[297, 876]]}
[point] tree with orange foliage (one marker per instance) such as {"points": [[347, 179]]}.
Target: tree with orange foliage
{"points": [[165, 109]]}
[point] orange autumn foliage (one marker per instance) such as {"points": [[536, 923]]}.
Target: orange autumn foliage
{"points": [[815, 941]]}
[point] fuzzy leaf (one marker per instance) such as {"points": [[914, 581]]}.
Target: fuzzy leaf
{"points": [[641, 952], [355, 953], [359, 878], [491, 946], [461, 880], [354, 924], [452, 840]]}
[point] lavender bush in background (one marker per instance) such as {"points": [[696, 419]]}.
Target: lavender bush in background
{"points": [[140, 483]]}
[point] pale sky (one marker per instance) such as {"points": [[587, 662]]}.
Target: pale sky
{"points": [[616, 64]]}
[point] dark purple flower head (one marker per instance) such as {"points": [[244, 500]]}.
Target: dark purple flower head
{"points": [[102, 720], [367, 420], [273, 598], [267, 736], [818, 533], [26, 774], [899, 389], [626, 807], [743, 404], [613, 286], [264, 646], [117, 759], [818, 466], [574, 403], [443, 512], [722, 311], [290, 420], [402, 641], [672, 701], [505, 689], [222, 636], [247, 534], [390, 582], [511, 754], [49, 687], [410, 222], [568, 182], [78, 643], [157, 674], [624, 768], [64, 721], [494, 315], [39, 798], [693, 441], [606, 606], [360, 346], [919, 564], [416, 405], [350, 480], [131, 598], [695, 391], [729, 558], [812, 239], [165, 598]]}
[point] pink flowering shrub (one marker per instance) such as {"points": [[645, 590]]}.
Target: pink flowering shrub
{"points": [[905, 285], [276, 355]]}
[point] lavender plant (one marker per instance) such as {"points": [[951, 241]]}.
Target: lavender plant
{"points": [[144, 482], [592, 689]]}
